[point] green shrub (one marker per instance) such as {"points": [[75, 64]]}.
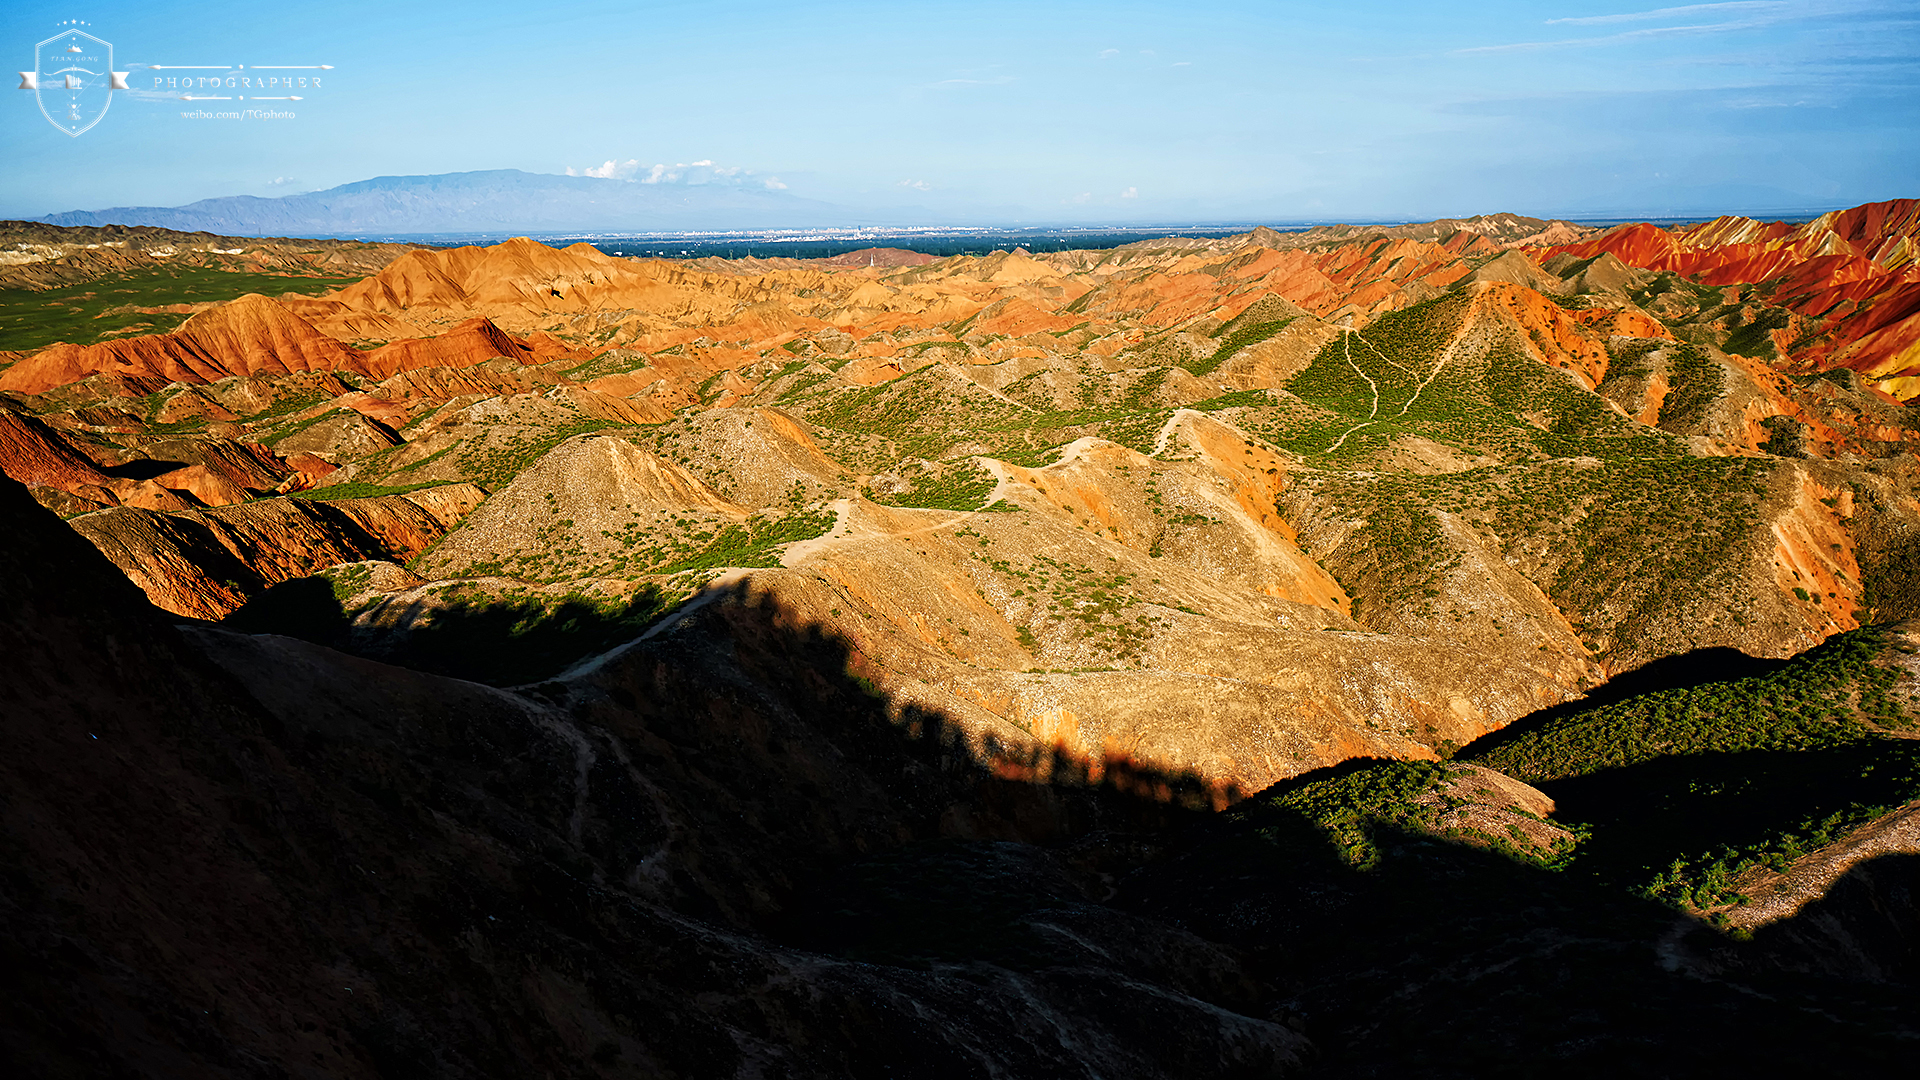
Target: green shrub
{"points": [[960, 485]]}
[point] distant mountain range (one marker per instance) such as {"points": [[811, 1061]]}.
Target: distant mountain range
{"points": [[509, 201], [503, 200]]}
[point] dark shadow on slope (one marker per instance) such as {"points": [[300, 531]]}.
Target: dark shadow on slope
{"points": [[355, 869], [142, 469], [509, 643], [680, 853], [1865, 927], [1698, 667], [305, 608], [1725, 812], [501, 643], [1445, 960]]}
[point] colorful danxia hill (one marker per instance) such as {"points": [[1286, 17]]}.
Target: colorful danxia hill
{"points": [[813, 667]]}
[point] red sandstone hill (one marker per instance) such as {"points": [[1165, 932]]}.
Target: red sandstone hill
{"points": [[519, 271], [254, 335], [35, 455], [474, 341], [1853, 275], [249, 336]]}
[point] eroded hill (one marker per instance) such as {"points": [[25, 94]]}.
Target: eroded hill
{"points": [[930, 605], [1158, 502]]}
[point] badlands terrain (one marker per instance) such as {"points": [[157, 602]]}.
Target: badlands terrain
{"points": [[1466, 648]]}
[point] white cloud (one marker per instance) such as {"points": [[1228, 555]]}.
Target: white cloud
{"points": [[703, 171], [1671, 12], [1108, 54], [917, 185], [283, 181], [1130, 193], [1085, 196], [612, 170]]}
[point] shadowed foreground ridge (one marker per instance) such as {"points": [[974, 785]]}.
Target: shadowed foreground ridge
{"points": [[249, 855], [716, 852]]}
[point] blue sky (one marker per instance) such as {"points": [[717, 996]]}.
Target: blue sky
{"points": [[1031, 111]]}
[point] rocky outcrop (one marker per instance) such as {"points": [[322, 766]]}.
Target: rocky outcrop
{"points": [[250, 335], [36, 455], [209, 472], [475, 341], [205, 564]]}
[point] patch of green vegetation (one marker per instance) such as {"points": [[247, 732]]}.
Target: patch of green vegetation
{"points": [[1753, 339], [1354, 806], [923, 413], [92, 312], [1239, 399], [1686, 790], [348, 581], [1237, 339], [1630, 358], [493, 467], [1693, 295], [1694, 382], [1135, 431], [284, 430], [650, 546], [1786, 437], [611, 362], [1661, 529], [1825, 697], [1099, 609], [756, 543], [1392, 379], [1701, 825], [292, 403], [961, 485], [1402, 558], [1622, 543], [1889, 588], [1030, 457], [1144, 387]]}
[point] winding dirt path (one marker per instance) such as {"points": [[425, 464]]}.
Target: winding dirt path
{"points": [[1166, 431], [1439, 364], [1346, 349], [801, 550]]}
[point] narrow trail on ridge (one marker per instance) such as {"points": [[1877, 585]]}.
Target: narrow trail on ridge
{"points": [[800, 550], [796, 553], [1420, 387], [1346, 349], [1440, 363], [1166, 431]]}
